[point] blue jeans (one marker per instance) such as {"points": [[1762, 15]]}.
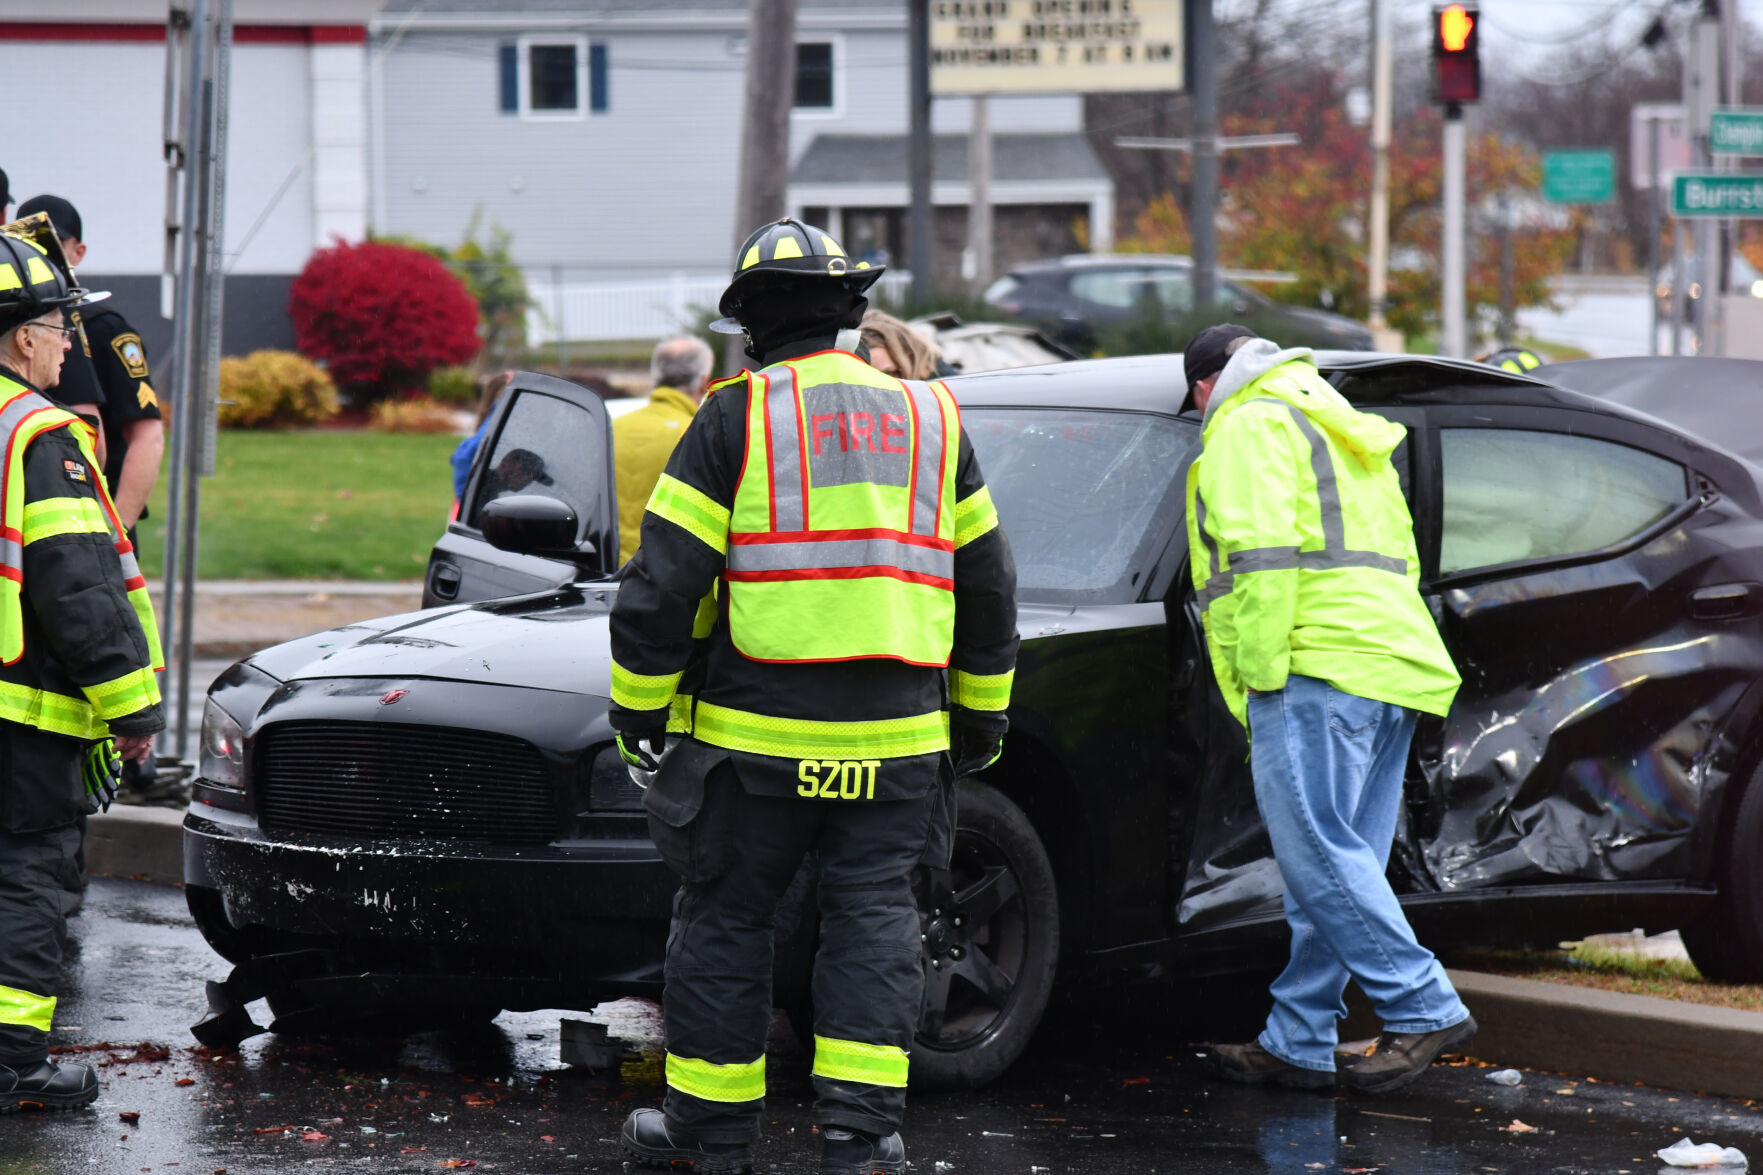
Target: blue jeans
{"points": [[1328, 780]]}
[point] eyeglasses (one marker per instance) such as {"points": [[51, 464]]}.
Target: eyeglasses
{"points": [[65, 329]]}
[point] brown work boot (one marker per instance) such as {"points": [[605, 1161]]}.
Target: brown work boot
{"points": [[1400, 1058], [1250, 1064]]}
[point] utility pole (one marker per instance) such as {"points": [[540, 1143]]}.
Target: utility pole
{"points": [[1654, 197], [1454, 323], [1203, 199], [918, 161], [765, 117], [1382, 98], [979, 176], [765, 127], [1700, 96]]}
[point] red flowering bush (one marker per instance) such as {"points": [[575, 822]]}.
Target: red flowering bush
{"points": [[381, 316]]}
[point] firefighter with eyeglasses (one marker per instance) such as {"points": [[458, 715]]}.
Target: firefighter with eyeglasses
{"points": [[819, 551], [79, 651]]}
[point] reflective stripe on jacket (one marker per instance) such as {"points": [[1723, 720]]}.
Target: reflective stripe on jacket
{"points": [[85, 509], [1301, 544], [841, 542]]}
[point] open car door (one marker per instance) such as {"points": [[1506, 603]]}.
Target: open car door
{"points": [[548, 438]]}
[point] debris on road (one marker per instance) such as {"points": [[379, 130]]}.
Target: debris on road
{"points": [[1684, 1153], [1519, 1127], [1506, 1077]]}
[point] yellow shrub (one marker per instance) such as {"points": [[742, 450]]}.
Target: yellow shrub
{"points": [[274, 389], [420, 414]]}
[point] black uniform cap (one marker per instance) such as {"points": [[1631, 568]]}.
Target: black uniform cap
{"points": [[62, 214]]}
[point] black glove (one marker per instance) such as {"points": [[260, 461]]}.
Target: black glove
{"points": [[973, 749], [102, 773], [641, 751]]}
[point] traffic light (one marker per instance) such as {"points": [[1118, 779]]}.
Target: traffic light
{"points": [[1456, 58]]}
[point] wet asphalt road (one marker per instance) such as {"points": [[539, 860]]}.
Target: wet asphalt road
{"points": [[1108, 1086]]}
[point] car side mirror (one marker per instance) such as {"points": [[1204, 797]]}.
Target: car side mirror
{"points": [[533, 524]]}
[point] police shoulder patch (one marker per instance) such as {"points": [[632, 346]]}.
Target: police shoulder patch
{"points": [[134, 356]]}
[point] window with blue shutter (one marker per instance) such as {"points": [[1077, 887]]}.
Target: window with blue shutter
{"points": [[597, 79], [508, 76]]}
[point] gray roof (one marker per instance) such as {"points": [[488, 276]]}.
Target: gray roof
{"points": [[857, 159]]}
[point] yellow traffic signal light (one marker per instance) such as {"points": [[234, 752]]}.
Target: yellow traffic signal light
{"points": [[1456, 55]]}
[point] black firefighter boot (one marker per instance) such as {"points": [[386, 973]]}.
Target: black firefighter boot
{"points": [[649, 1140], [851, 1152], [46, 1085]]}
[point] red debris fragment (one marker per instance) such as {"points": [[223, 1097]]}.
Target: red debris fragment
{"points": [[457, 1163], [273, 1129], [185, 1081], [129, 1116], [315, 1136], [547, 1138], [414, 1150]]}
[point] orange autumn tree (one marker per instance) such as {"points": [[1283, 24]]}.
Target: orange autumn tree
{"points": [[1302, 209]]}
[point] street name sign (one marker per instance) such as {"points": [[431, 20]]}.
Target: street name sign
{"points": [[1725, 196], [1585, 175], [1055, 46], [1736, 131]]}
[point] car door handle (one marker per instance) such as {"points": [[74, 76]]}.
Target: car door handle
{"points": [[1726, 601], [444, 581]]}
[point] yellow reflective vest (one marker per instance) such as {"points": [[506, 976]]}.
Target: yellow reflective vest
{"points": [[24, 416], [1301, 544], [841, 542]]}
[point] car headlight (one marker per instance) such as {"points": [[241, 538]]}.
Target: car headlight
{"points": [[223, 749]]}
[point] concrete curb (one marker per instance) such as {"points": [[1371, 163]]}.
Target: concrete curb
{"points": [[1524, 1023], [141, 843]]}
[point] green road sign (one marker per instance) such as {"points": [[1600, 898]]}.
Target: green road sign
{"points": [[1700, 194], [1735, 131], [1584, 175]]}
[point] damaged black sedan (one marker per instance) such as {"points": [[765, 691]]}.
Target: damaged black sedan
{"points": [[422, 817]]}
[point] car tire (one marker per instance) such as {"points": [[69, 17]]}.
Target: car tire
{"points": [[1726, 944], [1000, 885], [991, 944], [296, 1016]]}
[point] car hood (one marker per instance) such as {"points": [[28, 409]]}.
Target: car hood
{"points": [[554, 640]]}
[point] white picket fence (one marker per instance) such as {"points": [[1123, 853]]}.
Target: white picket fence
{"points": [[567, 310]]}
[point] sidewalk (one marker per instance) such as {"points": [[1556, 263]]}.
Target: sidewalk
{"points": [[235, 618]]}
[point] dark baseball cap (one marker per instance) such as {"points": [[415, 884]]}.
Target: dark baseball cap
{"points": [[63, 215], [1208, 352]]}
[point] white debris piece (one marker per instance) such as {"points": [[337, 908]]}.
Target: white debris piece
{"points": [[1506, 1077], [1684, 1153]]}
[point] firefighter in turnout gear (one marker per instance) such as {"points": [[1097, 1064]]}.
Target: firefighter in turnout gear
{"points": [[78, 654], [819, 550]]}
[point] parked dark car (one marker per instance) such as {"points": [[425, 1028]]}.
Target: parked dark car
{"points": [[423, 814], [1075, 299]]}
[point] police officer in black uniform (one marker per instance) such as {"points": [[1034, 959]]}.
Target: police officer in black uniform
{"points": [[115, 376], [737, 806]]}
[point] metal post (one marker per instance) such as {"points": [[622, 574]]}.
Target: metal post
{"points": [[1508, 267], [183, 331], [918, 152], [979, 174], [1378, 262], [1653, 233], [1203, 207], [1453, 321], [1679, 295], [557, 315]]}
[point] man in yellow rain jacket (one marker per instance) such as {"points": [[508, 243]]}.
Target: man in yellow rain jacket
{"points": [[643, 440], [1304, 561]]}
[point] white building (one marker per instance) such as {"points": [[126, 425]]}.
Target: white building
{"points": [[296, 143]]}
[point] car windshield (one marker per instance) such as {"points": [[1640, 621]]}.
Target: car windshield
{"points": [[1081, 494]]}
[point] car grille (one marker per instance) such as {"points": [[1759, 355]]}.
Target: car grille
{"points": [[380, 780]]}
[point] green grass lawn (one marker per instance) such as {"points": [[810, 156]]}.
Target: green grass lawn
{"points": [[315, 505]]}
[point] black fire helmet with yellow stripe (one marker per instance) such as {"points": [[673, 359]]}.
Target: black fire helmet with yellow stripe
{"points": [[788, 253], [35, 277]]}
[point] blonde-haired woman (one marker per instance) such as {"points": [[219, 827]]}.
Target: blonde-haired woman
{"points": [[895, 348]]}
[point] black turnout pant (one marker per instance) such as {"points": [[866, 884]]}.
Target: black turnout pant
{"points": [[868, 978], [37, 880]]}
